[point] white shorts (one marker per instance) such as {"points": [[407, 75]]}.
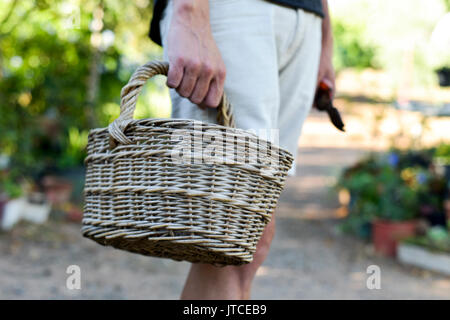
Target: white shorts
{"points": [[271, 54]]}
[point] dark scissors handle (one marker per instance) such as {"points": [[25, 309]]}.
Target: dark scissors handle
{"points": [[323, 101]]}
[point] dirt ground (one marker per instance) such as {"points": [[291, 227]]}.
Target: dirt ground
{"points": [[309, 258]]}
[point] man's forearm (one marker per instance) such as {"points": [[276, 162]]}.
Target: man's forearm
{"points": [[327, 34], [192, 12], [326, 70], [196, 70]]}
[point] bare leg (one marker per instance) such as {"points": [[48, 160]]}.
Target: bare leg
{"points": [[232, 282]]}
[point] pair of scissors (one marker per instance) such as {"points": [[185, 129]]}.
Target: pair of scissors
{"points": [[323, 101]]}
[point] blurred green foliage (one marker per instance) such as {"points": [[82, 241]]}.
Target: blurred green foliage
{"points": [[350, 48], [10, 184], [391, 35], [443, 153], [62, 66], [437, 239], [447, 4]]}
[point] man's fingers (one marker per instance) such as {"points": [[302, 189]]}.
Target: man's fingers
{"points": [[190, 76], [214, 95], [201, 82], [202, 86], [215, 91], [175, 74]]}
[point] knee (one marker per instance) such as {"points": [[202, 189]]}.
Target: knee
{"points": [[247, 272], [263, 246]]}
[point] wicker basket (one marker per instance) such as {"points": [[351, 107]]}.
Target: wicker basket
{"points": [[140, 198]]}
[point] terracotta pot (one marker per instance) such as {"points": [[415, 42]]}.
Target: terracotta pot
{"points": [[387, 234], [57, 190], [74, 214]]}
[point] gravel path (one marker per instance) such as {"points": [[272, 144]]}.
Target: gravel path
{"points": [[308, 259]]}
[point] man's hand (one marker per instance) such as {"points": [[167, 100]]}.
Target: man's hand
{"points": [[196, 68], [326, 70]]}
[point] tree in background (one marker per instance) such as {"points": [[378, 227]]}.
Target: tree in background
{"points": [[385, 34], [62, 65]]}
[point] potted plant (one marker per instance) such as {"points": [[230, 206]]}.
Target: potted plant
{"points": [[386, 193], [389, 192], [397, 209]]}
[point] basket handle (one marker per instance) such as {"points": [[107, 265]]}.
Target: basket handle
{"points": [[130, 93]]}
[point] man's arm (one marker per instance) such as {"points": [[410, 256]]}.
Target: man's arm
{"points": [[326, 70], [197, 70]]}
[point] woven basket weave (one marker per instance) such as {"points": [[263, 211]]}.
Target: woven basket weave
{"points": [[139, 199]]}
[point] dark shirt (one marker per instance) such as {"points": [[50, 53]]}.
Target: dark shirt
{"points": [[314, 6]]}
